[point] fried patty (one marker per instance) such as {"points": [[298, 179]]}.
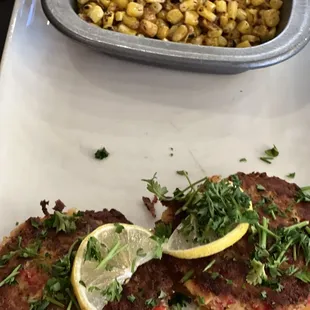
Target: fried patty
{"points": [[33, 276], [231, 290]]}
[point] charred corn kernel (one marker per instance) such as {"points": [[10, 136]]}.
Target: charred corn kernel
{"points": [[121, 4], [156, 7], [232, 9], [276, 4], [154, 1], [197, 31], [224, 20], [221, 6], [174, 16], [162, 14], [119, 16], [82, 2], [83, 16], [244, 44], [112, 7], [252, 16], [149, 14], [160, 22], [131, 22], [244, 27], [198, 40], [126, 30], [231, 25], [188, 5], [95, 13], [204, 12], [191, 18], [211, 41], [148, 28], [108, 20], [142, 2], [134, 9], [272, 17], [162, 32], [215, 33], [222, 41], [261, 31], [169, 6], [172, 30], [180, 33], [88, 7], [257, 2], [230, 43], [241, 14], [272, 33], [234, 34], [249, 37], [210, 6]]}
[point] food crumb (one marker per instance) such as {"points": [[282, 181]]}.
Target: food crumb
{"points": [[150, 205], [101, 153]]}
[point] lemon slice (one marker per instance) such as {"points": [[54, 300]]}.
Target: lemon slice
{"points": [[183, 247], [122, 249]]}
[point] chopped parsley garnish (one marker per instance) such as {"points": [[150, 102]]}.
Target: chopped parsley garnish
{"points": [[266, 159], [201, 300], [179, 301], [303, 194], [116, 249], [10, 279], [263, 295], [38, 304], [131, 298], [270, 155], [113, 292], [162, 295], [187, 276], [228, 281], [118, 228], [163, 230], [260, 187], [101, 153], [140, 253], [303, 275], [273, 152], [291, 175], [62, 222], [151, 303], [93, 250], [215, 275], [243, 160], [34, 223], [154, 187], [209, 265], [257, 274]]}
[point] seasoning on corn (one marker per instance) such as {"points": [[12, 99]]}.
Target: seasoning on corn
{"points": [[222, 23]]}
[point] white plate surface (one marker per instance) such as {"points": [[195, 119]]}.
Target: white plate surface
{"points": [[60, 101]]}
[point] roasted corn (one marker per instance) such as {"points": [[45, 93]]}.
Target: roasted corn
{"points": [[223, 23]]}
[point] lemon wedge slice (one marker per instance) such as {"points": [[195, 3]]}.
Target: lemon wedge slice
{"points": [[106, 259], [183, 247]]}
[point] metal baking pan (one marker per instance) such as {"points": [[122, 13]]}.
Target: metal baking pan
{"points": [[293, 35]]}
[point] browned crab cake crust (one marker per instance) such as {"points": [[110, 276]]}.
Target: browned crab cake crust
{"points": [[32, 278], [231, 291]]}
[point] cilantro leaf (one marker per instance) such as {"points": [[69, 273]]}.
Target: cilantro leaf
{"points": [[93, 250], [154, 187], [291, 175], [113, 292], [62, 222], [303, 275], [257, 273], [131, 298], [266, 159], [260, 187], [10, 279], [118, 228], [243, 160], [150, 303], [187, 276], [273, 152]]}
